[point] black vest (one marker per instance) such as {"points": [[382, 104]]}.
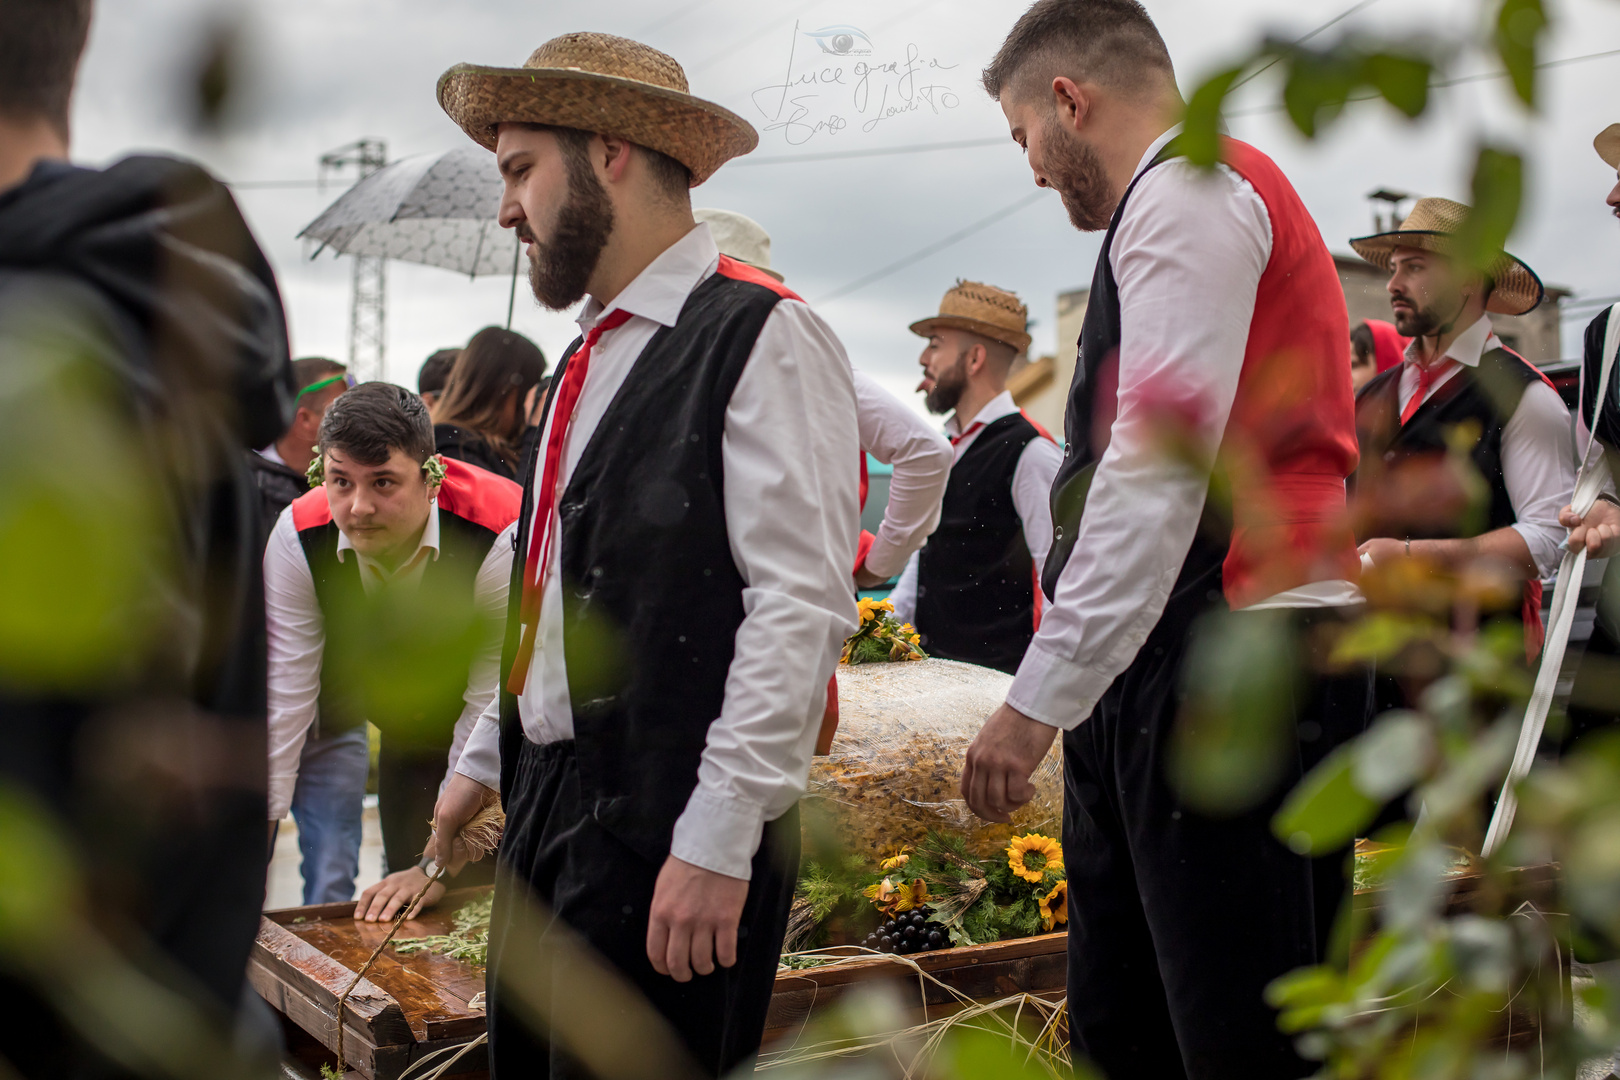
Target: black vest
{"points": [[1484, 397], [652, 598], [975, 577], [1085, 429], [365, 635]]}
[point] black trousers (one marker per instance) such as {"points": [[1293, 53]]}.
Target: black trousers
{"points": [[408, 781], [558, 853], [1177, 921]]}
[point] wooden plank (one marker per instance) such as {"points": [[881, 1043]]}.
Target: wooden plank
{"points": [[358, 1049], [320, 979], [944, 964]]}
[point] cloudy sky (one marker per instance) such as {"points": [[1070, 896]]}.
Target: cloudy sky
{"points": [[321, 73]]}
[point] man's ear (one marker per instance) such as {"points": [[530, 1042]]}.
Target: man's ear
{"points": [[978, 357], [1071, 102], [611, 155]]}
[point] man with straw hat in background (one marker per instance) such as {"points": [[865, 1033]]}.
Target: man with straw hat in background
{"points": [[1599, 530], [972, 591], [682, 588], [1458, 373], [890, 431]]}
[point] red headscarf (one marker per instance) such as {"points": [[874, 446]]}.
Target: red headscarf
{"points": [[1389, 347]]}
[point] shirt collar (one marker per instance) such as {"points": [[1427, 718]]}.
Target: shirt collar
{"points": [[660, 290], [994, 409], [430, 537], [1153, 150], [1468, 346], [270, 453]]}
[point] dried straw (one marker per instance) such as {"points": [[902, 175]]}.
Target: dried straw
{"points": [[1047, 1050]]}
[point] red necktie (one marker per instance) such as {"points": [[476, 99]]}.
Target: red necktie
{"points": [[1427, 377], [975, 426], [545, 496]]}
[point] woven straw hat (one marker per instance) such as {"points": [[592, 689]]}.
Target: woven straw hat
{"points": [[1607, 144], [601, 83], [1430, 227], [743, 238], [980, 309]]}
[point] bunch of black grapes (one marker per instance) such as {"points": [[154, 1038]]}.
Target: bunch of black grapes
{"points": [[908, 932]]}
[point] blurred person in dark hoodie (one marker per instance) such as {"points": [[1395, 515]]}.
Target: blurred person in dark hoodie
{"points": [[143, 348]]}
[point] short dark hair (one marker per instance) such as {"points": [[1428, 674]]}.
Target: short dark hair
{"points": [[674, 180], [495, 365], [435, 371], [40, 45], [1108, 42], [1361, 342], [373, 420], [309, 370]]}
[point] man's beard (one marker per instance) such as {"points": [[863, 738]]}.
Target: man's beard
{"points": [[1075, 171], [947, 389], [561, 268], [1419, 322]]}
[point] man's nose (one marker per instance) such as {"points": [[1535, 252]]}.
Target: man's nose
{"points": [[511, 212]]}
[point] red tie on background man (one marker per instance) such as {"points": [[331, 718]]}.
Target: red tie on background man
{"points": [[1427, 377], [545, 497]]}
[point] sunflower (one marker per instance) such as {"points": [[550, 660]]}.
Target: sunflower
{"points": [[1030, 857], [1055, 906]]}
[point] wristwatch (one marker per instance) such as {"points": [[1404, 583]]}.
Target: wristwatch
{"points": [[1608, 498]]}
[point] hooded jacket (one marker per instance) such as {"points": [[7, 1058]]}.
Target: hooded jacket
{"points": [[142, 283]]}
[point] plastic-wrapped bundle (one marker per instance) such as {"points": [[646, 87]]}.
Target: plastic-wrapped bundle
{"points": [[895, 770]]}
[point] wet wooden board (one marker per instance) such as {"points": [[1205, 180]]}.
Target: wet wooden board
{"points": [[1033, 965], [408, 1005]]}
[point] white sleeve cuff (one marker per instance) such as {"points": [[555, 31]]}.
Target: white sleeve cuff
{"points": [[281, 795], [719, 834], [1054, 690], [1546, 545], [481, 758]]}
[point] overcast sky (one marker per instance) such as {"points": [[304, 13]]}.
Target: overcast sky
{"points": [[321, 73]]}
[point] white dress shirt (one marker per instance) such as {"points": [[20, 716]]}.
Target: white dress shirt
{"points": [[1187, 259], [892, 432], [791, 473], [297, 638], [1031, 493], [1538, 460]]}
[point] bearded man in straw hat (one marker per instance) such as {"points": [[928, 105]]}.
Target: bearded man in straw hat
{"points": [[1215, 328], [685, 551], [1457, 372], [972, 590]]}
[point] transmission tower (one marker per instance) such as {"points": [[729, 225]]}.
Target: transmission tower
{"points": [[368, 316]]}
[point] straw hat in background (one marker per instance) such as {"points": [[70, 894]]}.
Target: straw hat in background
{"points": [[1431, 226], [741, 237], [1607, 145], [980, 309], [601, 83]]}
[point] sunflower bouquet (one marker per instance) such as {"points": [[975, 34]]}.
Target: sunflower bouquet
{"points": [[934, 896], [881, 637]]}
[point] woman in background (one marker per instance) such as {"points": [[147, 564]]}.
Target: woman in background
{"points": [[480, 416]]}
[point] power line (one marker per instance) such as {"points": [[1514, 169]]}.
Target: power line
{"points": [[1340, 17], [973, 144], [938, 245]]}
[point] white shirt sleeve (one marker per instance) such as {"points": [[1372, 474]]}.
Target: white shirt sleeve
{"points": [[904, 596], [788, 451], [1187, 258], [1538, 470], [297, 640], [895, 435], [483, 678], [1032, 495]]}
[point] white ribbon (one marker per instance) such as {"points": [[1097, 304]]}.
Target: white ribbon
{"points": [[1588, 483]]}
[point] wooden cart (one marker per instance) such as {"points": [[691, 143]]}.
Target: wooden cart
{"points": [[406, 1007], [413, 1004]]}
